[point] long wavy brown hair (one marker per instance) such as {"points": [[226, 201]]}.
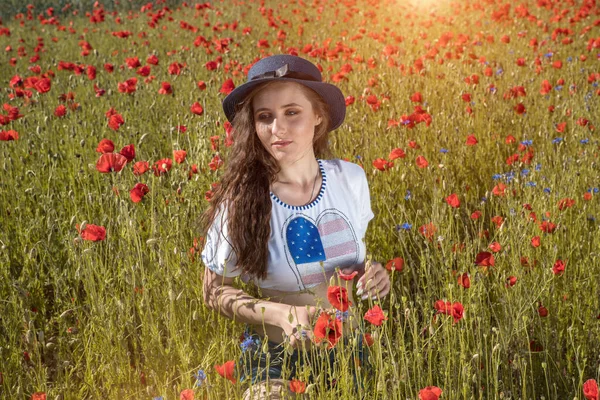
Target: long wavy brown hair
{"points": [[245, 184]]}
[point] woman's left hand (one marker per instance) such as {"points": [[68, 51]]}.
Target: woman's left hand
{"points": [[374, 283]]}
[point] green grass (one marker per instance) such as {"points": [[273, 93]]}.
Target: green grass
{"points": [[124, 318]]}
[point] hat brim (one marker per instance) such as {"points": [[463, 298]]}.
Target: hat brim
{"points": [[332, 95]]}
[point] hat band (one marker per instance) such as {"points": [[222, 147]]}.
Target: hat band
{"points": [[285, 72]]}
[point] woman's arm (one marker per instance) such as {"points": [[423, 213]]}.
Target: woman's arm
{"points": [[221, 296]]}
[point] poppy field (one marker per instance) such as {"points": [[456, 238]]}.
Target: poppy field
{"points": [[477, 125]]}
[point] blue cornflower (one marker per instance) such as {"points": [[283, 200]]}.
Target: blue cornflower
{"points": [[408, 195], [499, 71], [442, 150], [538, 167], [406, 226], [584, 141], [531, 184], [569, 59], [596, 190], [524, 172], [547, 190], [341, 315], [557, 140], [247, 344], [483, 199], [200, 377], [558, 87], [527, 142], [157, 398], [493, 90], [549, 54], [496, 176], [591, 218], [359, 157]]}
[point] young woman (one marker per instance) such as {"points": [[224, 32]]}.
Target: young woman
{"points": [[283, 217]]}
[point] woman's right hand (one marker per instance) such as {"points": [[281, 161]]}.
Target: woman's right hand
{"points": [[296, 322]]}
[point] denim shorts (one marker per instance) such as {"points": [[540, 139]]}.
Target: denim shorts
{"points": [[256, 365]]}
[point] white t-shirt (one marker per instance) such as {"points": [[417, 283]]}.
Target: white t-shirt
{"points": [[330, 230]]}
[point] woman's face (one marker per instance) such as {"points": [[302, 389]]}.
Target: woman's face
{"points": [[285, 121]]}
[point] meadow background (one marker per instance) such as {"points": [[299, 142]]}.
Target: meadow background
{"points": [[474, 120]]}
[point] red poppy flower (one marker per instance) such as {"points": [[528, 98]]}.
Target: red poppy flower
{"points": [[382, 164], [42, 85], [558, 268], [327, 328], [197, 109], [227, 86], [60, 110], [115, 121], [349, 100], [9, 135], [133, 62], [396, 153], [201, 85], [476, 214], [227, 370], [520, 109], [138, 192], [535, 241], [542, 311], [179, 156], [453, 200], [143, 71], [128, 152], [484, 259], [565, 203], [93, 233], [416, 97], [430, 393], [347, 277], [590, 389], [428, 230], [499, 190], [187, 394], [368, 339], [396, 264], [152, 59], [421, 162], [105, 146], [163, 166], [338, 297], [38, 396], [165, 88], [466, 97], [471, 140], [546, 87], [297, 386], [375, 316], [129, 86], [495, 247], [511, 281], [140, 168], [547, 227], [413, 145], [175, 68], [455, 310], [215, 163], [110, 162], [464, 280]]}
